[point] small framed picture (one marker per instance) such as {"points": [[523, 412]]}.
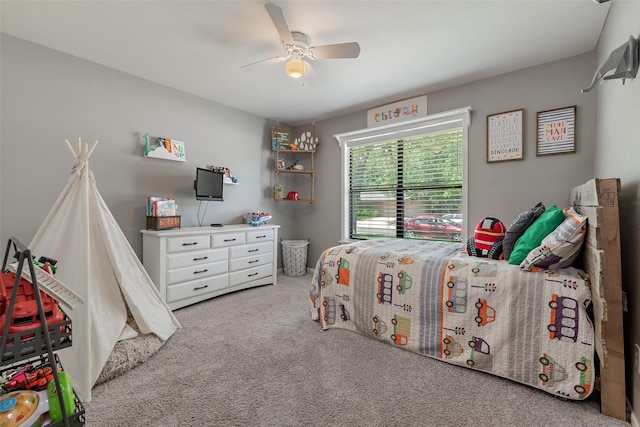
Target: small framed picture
{"points": [[556, 131], [505, 133]]}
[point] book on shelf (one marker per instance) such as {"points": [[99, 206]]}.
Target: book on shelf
{"points": [[161, 206]]}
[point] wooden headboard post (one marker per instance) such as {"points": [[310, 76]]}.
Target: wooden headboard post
{"points": [[598, 199]]}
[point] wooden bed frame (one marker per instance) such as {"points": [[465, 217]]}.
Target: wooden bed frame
{"points": [[598, 199]]}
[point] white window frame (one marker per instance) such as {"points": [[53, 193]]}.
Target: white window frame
{"points": [[430, 123]]}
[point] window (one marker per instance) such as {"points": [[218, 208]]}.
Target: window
{"points": [[406, 180]]}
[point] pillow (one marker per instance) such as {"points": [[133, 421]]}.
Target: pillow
{"points": [[560, 248], [487, 239], [518, 227], [533, 235]]}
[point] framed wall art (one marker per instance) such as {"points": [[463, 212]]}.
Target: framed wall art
{"points": [[556, 131], [505, 134]]}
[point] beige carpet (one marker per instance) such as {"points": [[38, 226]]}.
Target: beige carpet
{"points": [[255, 358]]}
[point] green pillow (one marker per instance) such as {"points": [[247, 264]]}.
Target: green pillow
{"points": [[533, 235]]}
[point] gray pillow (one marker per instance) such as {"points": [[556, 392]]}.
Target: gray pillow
{"points": [[518, 227]]}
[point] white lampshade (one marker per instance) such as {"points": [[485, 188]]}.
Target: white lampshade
{"points": [[296, 68]]}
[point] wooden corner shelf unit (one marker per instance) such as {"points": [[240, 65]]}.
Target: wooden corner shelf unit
{"points": [[308, 172]]}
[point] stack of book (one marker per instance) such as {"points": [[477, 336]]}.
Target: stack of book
{"points": [[161, 206]]}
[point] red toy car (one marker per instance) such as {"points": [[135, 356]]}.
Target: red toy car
{"points": [[25, 310]]}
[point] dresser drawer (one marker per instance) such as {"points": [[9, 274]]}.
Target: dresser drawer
{"points": [[196, 287], [187, 243], [250, 261], [196, 257], [229, 239], [243, 276], [196, 272], [251, 250], [260, 235]]}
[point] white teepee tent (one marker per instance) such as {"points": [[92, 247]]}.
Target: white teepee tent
{"points": [[97, 262]]}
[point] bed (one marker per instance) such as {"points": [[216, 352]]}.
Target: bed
{"points": [[558, 330]]}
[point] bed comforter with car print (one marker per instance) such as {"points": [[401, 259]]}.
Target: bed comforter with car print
{"points": [[433, 299]]}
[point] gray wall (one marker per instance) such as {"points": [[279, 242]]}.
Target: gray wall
{"points": [[501, 189], [617, 155], [48, 96]]}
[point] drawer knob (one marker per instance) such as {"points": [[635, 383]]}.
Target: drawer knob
{"points": [[229, 240], [200, 271], [253, 250], [197, 288], [254, 261], [252, 274], [260, 237], [201, 258], [189, 243]]}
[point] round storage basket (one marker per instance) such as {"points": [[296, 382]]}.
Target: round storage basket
{"points": [[294, 257]]}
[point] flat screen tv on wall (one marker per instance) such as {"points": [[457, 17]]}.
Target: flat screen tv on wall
{"points": [[208, 185]]}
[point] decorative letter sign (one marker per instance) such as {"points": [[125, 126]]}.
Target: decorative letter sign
{"points": [[397, 112]]}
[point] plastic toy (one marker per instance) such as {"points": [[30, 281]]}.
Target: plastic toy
{"points": [[256, 218], [23, 407], [25, 312], [66, 388], [277, 192], [47, 264], [13, 375], [293, 195], [29, 378], [17, 379]]}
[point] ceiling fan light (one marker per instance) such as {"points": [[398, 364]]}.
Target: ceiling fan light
{"points": [[296, 68]]}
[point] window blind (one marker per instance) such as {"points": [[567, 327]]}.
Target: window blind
{"points": [[407, 187]]}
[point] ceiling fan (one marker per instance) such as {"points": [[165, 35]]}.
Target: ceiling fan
{"points": [[298, 53]]}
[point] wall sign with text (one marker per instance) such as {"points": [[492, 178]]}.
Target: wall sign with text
{"points": [[556, 131], [505, 132], [397, 112]]}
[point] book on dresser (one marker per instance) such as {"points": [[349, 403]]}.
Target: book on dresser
{"points": [[192, 264]]}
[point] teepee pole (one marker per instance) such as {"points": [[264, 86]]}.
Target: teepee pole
{"points": [[77, 155], [92, 148], [73, 153]]}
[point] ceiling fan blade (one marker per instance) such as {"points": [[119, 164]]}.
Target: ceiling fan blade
{"points": [[258, 64], [311, 77], [331, 51], [277, 16]]}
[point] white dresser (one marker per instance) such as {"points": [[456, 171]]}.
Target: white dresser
{"points": [[192, 264]]}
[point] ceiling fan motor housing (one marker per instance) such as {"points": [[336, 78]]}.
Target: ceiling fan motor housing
{"points": [[300, 44]]}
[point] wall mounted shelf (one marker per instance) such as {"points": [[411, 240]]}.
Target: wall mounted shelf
{"points": [[280, 157]]}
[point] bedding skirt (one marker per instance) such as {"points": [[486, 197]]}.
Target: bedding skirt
{"points": [[433, 299]]}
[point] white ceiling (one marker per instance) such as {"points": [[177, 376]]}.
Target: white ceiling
{"points": [[407, 47]]}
